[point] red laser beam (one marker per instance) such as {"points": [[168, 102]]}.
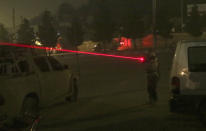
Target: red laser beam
{"points": [[139, 59]]}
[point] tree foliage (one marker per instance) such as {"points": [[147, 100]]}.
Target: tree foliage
{"points": [[102, 20], [193, 25], [4, 34], [171, 8], [102, 23], [25, 33], [75, 34], [47, 31], [163, 24], [65, 12], [133, 27]]}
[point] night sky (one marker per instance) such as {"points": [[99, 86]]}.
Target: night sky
{"points": [[28, 8]]}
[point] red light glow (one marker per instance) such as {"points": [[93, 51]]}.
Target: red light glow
{"points": [[139, 59], [125, 43], [148, 41]]}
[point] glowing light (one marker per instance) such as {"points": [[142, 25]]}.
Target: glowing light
{"points": [[121, 43], [184, 72], [38, 43], [139, 59], [125, 43], [148, 41]]}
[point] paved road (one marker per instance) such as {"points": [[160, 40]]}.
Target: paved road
{"points": [[112, 98]]}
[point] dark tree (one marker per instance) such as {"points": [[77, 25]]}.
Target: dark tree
{"points": [[133, 25], [36, 19], [132, 22], [193, 25], [65, 12], [4, 34], [75, 34], [133, 28], [171, 8], [163, 24], [120, 17], [102, 23], [25, 33], [47, 31]]}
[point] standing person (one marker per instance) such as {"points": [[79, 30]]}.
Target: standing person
{"points": [[152, 71]]}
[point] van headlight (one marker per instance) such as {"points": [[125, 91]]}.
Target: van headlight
{"points": [[184, 72]]}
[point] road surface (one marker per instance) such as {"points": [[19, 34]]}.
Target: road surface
{"points": [[112, 97]]}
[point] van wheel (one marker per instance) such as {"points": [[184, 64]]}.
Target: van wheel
{"points": [[30, 109], [202, 113], [74, 96]]}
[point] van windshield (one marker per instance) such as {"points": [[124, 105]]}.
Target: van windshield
{"points": [[197, 59]]}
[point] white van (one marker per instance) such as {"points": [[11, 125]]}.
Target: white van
{"points": [[188, 77]]}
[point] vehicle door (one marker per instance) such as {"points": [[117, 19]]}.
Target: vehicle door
{"points": [[48, 81], [20, 80], [28, 77], [60, 76], [197, 69], [21, 76]]}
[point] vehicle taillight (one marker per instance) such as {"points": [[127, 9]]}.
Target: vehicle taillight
{"points": [[2, 101], [175, 85]]}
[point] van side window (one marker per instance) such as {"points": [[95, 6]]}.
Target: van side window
{"points": [[42, 64], [24, 66], [56, 66], [197, 59]]}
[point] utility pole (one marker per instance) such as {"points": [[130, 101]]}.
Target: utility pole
{"points": [[154, 8], [14, 24], [14, 19], [182, 14]]}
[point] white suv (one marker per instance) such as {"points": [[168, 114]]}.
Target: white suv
{"points": [[30, 82], [188, 78]]}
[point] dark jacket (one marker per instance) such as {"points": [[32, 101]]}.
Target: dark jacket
{"points": [[152, 69]]}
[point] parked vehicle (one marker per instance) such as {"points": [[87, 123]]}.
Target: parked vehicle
{"points": [[29, 82], [188, 78]]}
